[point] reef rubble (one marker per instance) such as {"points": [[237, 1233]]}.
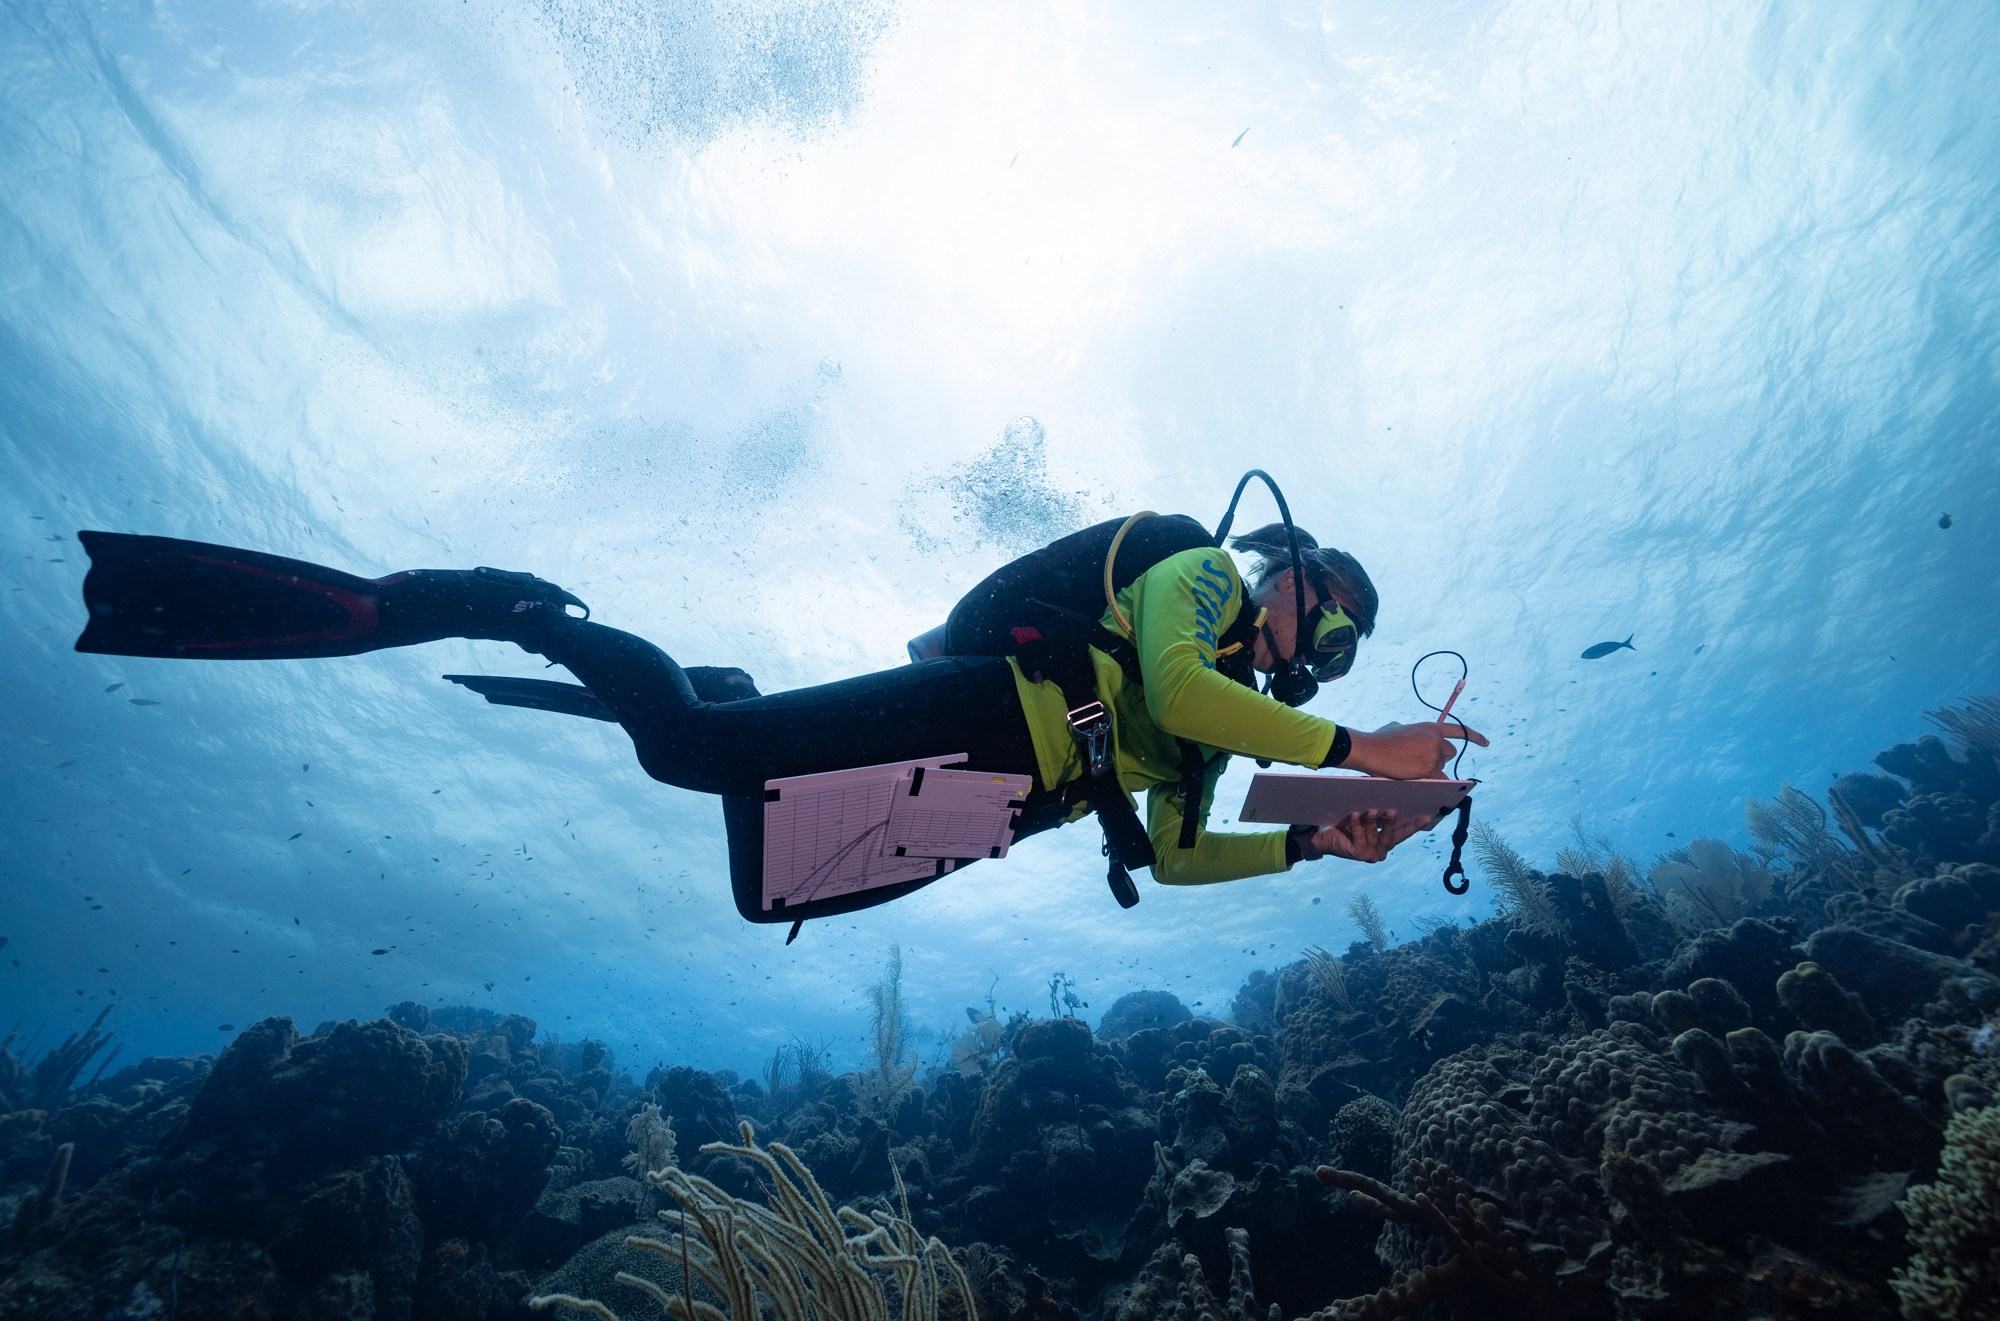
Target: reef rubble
{"points": [[1746, 1083]]}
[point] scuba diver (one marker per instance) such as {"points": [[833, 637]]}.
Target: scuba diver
{"points": [[1120, 658]]}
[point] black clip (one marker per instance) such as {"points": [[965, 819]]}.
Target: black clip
{"points": [[1455, 879], [1120, 879], [1091, 724]]}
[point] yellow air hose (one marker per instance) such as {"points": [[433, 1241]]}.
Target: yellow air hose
{"points": [[1110, 557], [1111, 598]]}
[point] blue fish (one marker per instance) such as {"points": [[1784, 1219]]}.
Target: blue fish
{"points": [[1603, 649]]}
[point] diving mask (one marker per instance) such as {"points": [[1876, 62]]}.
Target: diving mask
{"points": [[1333, 637]]}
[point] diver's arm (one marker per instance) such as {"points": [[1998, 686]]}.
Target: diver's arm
{"points": [[1417, 751], [1180, 607], [1216, 856]]}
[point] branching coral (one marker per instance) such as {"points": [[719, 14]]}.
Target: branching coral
{"points": [[1596, 853], [1975, 727], [1883, 856], [795, 1073], [1329, 976], [889, 1030], [1486, 1251], [45, 1085], [792, 1258], [1955, 1226], [1522, 894], [1793, 826], [1369, 918], [652, 1137], [1197, 1302], [38, 1204], [1714, 888]]}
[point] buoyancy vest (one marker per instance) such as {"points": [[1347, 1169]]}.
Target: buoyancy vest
{"points": [[1045, 610]]}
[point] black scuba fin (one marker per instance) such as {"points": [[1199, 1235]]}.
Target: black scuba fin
{"points": [[160, 596], [711, 683], [568, 699]]}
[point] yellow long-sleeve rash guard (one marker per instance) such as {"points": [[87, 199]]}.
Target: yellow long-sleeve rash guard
{"points": [[1179, 608]]}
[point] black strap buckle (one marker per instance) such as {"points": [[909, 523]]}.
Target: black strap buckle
{"points": [[1091, 724]]}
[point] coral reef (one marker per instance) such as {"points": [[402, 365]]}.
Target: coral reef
{"points": [[1761, 1083], [1485, 1252]]}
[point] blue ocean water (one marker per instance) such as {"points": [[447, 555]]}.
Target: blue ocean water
{"points": [[769, 329]]}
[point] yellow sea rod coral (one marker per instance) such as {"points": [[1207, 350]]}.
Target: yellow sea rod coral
{"points": [[795, 1254]]}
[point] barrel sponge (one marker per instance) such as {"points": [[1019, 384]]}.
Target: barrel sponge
{"points": [[1955, 1225]]}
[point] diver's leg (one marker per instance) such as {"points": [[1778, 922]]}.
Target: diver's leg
{"points": [[956, 705], [721, 683]]}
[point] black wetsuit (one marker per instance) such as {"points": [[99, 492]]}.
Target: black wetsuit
{"points": [[964, 705]]}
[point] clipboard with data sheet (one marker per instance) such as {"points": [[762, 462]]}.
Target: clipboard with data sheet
{"points": [[841, 832], [1302, 798]]}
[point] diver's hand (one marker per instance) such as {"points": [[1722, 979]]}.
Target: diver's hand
{"points": [[1408, 752], [1363, 836]]}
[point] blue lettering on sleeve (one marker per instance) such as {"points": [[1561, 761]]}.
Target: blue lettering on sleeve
{"points": [[1211, 591]]}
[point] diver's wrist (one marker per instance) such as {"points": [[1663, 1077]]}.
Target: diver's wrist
{"points": [[1299, 845], [1342, 747]]}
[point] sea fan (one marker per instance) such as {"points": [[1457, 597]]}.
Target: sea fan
{"points": [[1715, 888]]}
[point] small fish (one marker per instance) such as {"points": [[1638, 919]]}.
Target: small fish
{"points": [[296, 922], [1239, 137], [115, 687], [143, 701], [1604, 649], [63, 764], [225, 1027], [294, 835], [1697, 651], [378, 951], [1944, 520]]}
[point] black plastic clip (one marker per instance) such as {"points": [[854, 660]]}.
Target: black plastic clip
{"points": [[1120, 879], [1456, 867]]}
